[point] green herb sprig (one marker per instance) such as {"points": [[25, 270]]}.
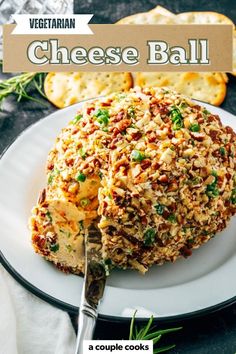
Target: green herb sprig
{"points": [[149, 333], [20, 85]]}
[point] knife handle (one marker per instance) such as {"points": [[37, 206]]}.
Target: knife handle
{"points": [[86, 326]]}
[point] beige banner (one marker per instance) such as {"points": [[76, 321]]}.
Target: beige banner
{"points": [[122, 48]]}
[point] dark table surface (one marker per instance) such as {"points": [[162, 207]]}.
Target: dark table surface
{"points": [[209, 334]]}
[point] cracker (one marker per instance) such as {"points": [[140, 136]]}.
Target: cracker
{"points": [[204, 86], [234, 54], [66, 88], [203, 18], [162, 11], [158, 15]]}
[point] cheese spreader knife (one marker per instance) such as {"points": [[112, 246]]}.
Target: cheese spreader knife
{"points": [[93, 287]]}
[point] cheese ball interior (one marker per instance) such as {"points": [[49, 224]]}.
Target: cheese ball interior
{"points": [[152, 168]]}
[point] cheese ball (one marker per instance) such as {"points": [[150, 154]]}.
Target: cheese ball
{"points": [[153, 169]]}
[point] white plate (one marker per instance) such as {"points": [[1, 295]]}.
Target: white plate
{"points": [[203, 282]]}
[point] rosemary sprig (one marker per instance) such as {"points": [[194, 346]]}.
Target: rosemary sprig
{"points": [[20, 85], [148, 333]]}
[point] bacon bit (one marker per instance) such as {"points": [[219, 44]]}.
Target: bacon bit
{"points": [[216, 153], [166, 214], [197, 136], [200, 120], [39, 241], [42, 196], [173, 187], [170, 135], [92, 129], [227, 203], [69, 162], [156, 108], [97, 163], [164, 227], [90, 109], [106, 104], [112, 145], [152, 137], [230, 131], [74, 131], [197, 107], [163, 179], [185, 251], [155, 186], [144, 220], [220, 181], [172, 206], [214, 118], [124, 124], [214, 135], [119, 116], [155, 165], [136, 136], [115, 131], [228, 176], [50, 166], [145, 164]]}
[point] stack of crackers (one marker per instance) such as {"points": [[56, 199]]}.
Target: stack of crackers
{"points": [[64, 89]]}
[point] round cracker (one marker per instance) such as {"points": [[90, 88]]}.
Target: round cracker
{"points": [[66, 88], [204, 17], [205, 86]]}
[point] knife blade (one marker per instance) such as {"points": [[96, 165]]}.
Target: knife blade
{"points": [[93, 287]]}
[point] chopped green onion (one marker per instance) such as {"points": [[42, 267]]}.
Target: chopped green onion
{"points": [[159, 208], [55, 247], [137, 155], [205, 111], [194, 127], [48, 214], [50, 178], [102, 116], [52, 175], [149, 237], [82, 153], [195, 181], [176, 118], [131, 112], [233, 196], [222, 151], [84, 202], [81, 177], [212, 190], [172, 218], [77, 118]]}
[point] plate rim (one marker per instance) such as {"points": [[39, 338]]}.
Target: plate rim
{"points": [[74, 309]]}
